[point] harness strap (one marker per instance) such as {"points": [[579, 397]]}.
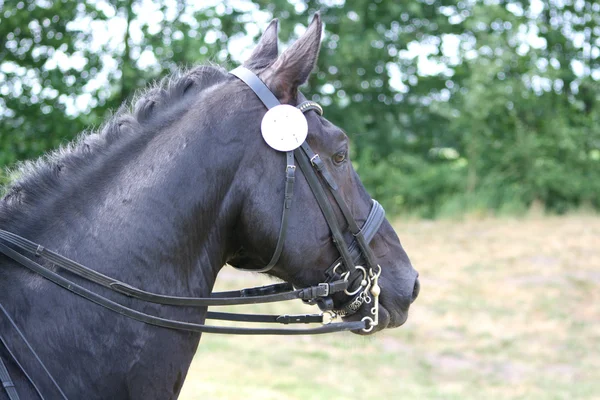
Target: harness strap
{"points": [[352, 225], [7, 382], [369, 229], [217, 299], [290, 178], [262, 91], [326, 209], [169, 323], [269, 100], [15, 343], [280, 319], [257, 291]]}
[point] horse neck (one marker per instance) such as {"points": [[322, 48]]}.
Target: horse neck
{"points": [[153, 213]]}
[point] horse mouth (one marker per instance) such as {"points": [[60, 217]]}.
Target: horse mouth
{"points": [[387, 319]]}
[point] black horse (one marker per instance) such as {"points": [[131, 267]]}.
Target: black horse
{"points": [[161, 199]]}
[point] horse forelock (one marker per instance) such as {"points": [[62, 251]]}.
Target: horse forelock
{"points": [[45, 175]]}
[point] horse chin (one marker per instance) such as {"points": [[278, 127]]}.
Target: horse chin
{"points": [[386, 319]]}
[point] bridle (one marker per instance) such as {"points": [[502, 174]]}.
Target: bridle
{"points": [[316, 173], [358, 282]]}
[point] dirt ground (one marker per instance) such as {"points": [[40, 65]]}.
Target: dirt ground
{"points": [[509, 309]]}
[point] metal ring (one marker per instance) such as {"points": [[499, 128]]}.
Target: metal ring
{"points": [[365, 277], [336, 267], [371, 326], [373, 275]]}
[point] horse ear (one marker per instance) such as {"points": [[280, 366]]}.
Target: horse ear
{"points": [[266, 51], [294, 66]]}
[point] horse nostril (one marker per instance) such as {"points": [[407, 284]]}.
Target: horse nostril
{"points": [[416, 290]]}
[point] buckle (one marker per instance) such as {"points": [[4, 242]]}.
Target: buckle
{"points": [[40, 249], [325, 287], [315, 159]]}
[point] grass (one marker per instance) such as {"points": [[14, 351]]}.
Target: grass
{"points": [[509, 309]]}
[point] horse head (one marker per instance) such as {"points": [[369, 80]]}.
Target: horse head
{"points": [[309, 254]]}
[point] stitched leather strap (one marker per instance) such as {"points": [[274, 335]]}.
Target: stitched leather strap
{"points": [[322, 200], [290, 178], [269, 100], [164, 322], [280, 319], [217, 299]]}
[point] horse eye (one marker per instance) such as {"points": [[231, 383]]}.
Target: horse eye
{"points": [[339, 157]]}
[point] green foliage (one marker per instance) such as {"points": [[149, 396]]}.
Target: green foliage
{"points": [[452, 106]]}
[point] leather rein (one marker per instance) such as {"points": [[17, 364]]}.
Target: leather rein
{"points": [[343, 274]]}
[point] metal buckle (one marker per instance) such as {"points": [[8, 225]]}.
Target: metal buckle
{"points": [[316, 156], [292, 167], [326, 286]]}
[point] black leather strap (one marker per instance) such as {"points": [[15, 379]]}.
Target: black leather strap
{"points": [[323, 201], [269, 100], [369, 229], [7, 382], [217, 299], [290, 178], [320, 167], [27, 359], [257, 291], [168, 323], [280, 319], [258, 86]]}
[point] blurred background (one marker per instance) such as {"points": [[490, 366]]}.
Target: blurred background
{"points": [[475, 123]]}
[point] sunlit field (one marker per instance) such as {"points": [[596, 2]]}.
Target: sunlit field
{"points": [[509, 309]]}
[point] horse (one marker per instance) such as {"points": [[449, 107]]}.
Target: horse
{"points": [[161, 198]]}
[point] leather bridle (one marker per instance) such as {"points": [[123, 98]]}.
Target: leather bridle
{"points": [[358, 282]]}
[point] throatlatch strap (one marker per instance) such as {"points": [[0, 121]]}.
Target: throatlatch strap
{"points": [[269, 100], [290, 178]]}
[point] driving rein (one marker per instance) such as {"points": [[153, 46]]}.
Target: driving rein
{"points": [[359, 283]]}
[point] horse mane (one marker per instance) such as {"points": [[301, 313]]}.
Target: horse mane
{"points": [[47, 173]]}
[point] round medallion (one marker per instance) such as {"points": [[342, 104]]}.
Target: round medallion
{"points": [[284, 127]]}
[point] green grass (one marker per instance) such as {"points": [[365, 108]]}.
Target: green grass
{"points": [[509, 309]]}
